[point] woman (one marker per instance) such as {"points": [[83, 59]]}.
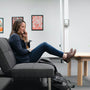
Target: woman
{"points": [[19, 42]]}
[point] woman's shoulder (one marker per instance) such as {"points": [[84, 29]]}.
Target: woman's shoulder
{"points": [[14, 36]]}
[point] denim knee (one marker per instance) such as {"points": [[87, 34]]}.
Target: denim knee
{"points": [[44, 43]]}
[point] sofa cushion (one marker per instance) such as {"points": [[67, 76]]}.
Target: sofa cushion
{"points": [[1, 73], [7, 59], [26, 70], [4, 82]]}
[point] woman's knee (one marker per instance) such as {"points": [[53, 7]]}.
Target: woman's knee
{"points": [[44, 43]]}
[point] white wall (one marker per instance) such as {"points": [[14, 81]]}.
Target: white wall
{"points": [[49, 8], [79, 30]]}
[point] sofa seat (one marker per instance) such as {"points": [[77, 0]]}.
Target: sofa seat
{"points": [[30, 70]]}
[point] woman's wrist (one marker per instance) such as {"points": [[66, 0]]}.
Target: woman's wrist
{"points": [[64, 55], [27, 41]]}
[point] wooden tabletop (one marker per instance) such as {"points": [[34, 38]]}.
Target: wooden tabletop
{"points": [[82, 54]]}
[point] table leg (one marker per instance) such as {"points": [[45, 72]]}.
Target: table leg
{"points": [[85, 68], [69, 69], [79, 79]]}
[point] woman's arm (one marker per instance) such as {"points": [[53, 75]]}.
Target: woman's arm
{"points": [[28, 44], [15, 43], [25, 38]]}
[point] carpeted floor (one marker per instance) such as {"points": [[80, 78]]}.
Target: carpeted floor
{"points": [[73, 79]]}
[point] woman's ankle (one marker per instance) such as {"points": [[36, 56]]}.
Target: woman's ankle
{"points": [[64, 56]]}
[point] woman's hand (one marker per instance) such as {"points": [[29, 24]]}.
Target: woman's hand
{"points": [[29, 49], [25, 36]]}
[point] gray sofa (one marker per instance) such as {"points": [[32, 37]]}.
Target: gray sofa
{"points": [[23, 70]]}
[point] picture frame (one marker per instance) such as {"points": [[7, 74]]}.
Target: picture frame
{"points": [[37, 22], [15, 18], [1, 25]]}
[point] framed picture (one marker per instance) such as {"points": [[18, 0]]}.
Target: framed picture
{"points": [[15, 18], [37, 22], [1, 25]]}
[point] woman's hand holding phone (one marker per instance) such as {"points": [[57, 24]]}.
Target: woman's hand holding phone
{"points": [[25, 35]]}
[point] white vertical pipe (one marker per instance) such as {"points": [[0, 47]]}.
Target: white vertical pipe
{"points": [[66, 9], [66, 30], [62, 24]]}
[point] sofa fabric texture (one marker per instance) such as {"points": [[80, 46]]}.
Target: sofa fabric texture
{"points": [[32, 70], [7, 59]]}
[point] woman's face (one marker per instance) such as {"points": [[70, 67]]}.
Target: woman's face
{"points": [[22, 28]]}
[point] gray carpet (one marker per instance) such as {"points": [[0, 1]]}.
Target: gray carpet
{"points": [[73, 79]]}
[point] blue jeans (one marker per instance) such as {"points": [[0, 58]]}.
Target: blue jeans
{"points": [[36, 53]]}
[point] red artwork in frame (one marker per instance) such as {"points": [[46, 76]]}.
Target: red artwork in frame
{"points": [[15, 18], [1, 25], [37, 22]]}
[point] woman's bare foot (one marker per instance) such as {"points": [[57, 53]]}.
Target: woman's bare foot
{"points": [[69, 55]]}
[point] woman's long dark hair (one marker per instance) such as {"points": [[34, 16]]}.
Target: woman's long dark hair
{"points": [[16, 26]]}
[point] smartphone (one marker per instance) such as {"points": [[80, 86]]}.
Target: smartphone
{"points": [[23, 32]]}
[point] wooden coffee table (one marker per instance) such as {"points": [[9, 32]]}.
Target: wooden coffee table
{"points": [[80, 57]]}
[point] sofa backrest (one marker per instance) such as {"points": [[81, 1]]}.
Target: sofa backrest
{"points": [[7, 59]]}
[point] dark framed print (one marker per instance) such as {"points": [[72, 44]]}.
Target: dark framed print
{"points": [[15, 18], [1, 25], [37, 22]]}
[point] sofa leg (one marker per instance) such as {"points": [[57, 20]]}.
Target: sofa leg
{"points": [[49, 83]]}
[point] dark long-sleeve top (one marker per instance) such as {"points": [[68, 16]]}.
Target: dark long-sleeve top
{"points": [[19, 48]]}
